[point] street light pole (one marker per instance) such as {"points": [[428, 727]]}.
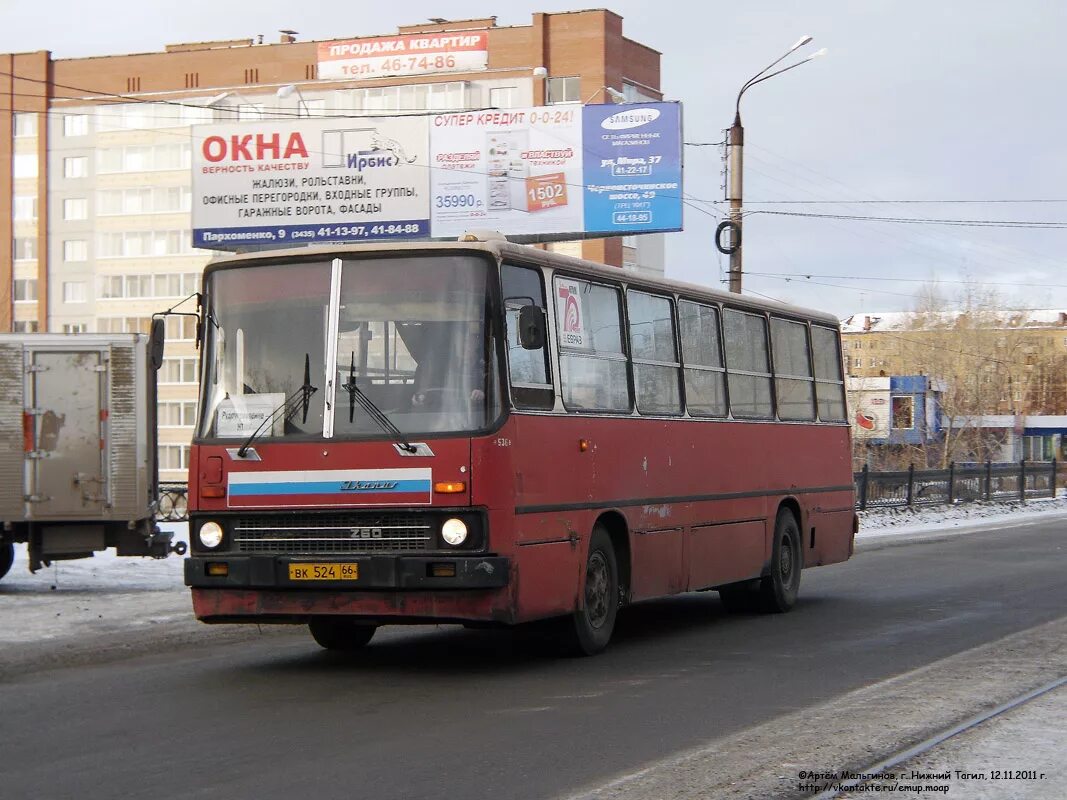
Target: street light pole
{"points": [[735, 144]]}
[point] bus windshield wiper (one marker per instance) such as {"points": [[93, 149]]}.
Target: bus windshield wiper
{"points": [[288, 405], [356, 395]]}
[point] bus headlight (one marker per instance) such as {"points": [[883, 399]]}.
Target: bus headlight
{"points": [[454, 531], [210, 535]]}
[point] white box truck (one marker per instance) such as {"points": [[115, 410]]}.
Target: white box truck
{"points": [[78, 466]]}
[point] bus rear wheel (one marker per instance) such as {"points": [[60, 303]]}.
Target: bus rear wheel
{"points": [[7, 558], [779, 588], [340, 634], [589, 629]]}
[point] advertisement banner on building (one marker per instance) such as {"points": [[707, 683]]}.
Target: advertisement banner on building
{"points": [[412, 54], [518, 171], [297, 182], [548, 173], [632, 167], [870, 407]]}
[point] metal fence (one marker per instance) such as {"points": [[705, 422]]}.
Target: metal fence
{"points": [[957, 484], [173, 502]]}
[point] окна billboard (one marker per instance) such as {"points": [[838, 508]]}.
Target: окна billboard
{"points": [[274, 183], [555, 172]]}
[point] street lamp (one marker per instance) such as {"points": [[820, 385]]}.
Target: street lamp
{"points": [[734, 152], [615, 95], [284, 92]]}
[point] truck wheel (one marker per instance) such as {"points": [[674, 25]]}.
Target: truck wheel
{"points": [[779, 588], [589, 629], [7, 558], [340, 634]]}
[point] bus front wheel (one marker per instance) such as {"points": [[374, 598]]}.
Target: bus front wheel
{"points": [[779, 588], [589, 629], [340, 634]]}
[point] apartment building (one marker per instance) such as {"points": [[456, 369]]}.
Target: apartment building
{"points": [[95, 183]]}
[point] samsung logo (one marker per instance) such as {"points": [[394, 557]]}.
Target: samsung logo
{"points": [[630, 119]]}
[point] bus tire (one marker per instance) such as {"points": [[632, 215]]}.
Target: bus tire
{"points": [[589, 629], [340, 634], [779, 587], [7, 558]]}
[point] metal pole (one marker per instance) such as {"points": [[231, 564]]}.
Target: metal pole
{"points": [[863, 487], [988, 479], [952, 482], [735, 166], [911, 481], [1022, 481], [1053, 479]]}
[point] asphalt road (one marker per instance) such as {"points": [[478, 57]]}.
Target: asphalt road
{"points": [[450, 713]]}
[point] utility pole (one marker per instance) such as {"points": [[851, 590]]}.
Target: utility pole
{"points": [[735, 145]]}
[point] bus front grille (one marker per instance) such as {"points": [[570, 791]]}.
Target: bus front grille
{"points": [[333, 533]]}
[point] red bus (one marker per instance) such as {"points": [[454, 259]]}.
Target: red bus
{"points": [[481, 432]]}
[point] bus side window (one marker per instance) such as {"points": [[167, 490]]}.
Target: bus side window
{"points": [[654, 355], [529, 371], [746, 364], [829, 385], [792, 370], [592, 361], [705, 378]]}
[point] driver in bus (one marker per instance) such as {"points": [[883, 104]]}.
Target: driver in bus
{"points": [[455, 365]]}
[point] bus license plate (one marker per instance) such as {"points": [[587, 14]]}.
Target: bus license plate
{"points": [[324, 572]]}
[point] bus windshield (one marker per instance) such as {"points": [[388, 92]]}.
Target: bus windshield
{"points": [[409, 334]]}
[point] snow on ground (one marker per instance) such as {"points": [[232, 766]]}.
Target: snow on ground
{"points": [[882, 523]]}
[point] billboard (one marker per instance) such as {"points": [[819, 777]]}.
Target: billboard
{"points": [[411, 54], [286, 183], [517, 171], [870, 408], [553, 172], [633, 168]]}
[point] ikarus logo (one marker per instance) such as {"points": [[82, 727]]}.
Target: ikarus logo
{"points": [[633, 118]]}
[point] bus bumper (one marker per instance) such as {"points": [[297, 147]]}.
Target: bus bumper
{"points": [[389, 588]]}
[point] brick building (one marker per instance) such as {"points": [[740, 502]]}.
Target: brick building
{"points": [[95, 184]]}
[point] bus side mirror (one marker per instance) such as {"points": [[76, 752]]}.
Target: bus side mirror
{"points": [[155, 342], [531, 327]]}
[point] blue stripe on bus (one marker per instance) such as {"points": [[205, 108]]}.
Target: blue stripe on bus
{"points": [[325, 487]]}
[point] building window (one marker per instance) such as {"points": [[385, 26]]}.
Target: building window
{"points": [[124, 324], [174, 456], [633, 94], [178, 370], [75, 124], [451, 96], [143, 158], [74, 292], [24, 165], [75, 208], [902, 412], [563, 90], [25, 123], [177, 413], [502, 97], [250, 111], [311, 108], [76, 327], [75, 251], [24, 326], [144, 244], [180, 329], [76, 167], [158, 200], [25, 207], [115, 287], [24, 290], [25, 248]]}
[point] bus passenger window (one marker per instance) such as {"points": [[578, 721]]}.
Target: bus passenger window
{"points": [[792, 370], [829, 386], [746, 364], [530, 376], [705, 381], [592, 362], [654, 355]]}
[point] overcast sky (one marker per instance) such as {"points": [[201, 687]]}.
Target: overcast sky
{"points": [[916, 100]]}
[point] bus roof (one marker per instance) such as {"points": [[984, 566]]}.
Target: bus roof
{"points": [[504, 249]]}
